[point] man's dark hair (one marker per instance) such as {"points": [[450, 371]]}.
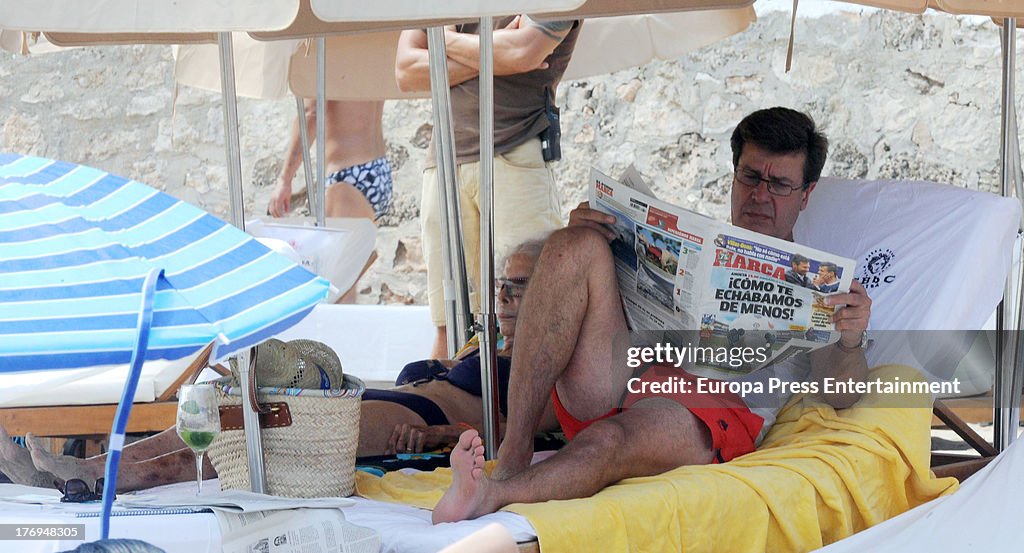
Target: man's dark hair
{"points": [[782, 131], [797, 259], [830, 267]]}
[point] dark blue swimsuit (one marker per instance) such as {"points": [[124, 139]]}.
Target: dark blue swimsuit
{"points": [[465, 376]]}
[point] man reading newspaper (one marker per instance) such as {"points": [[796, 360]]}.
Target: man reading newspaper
{"points": [[577, 359]]}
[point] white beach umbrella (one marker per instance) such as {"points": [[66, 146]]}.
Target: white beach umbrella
{"points": [[261, 68], [147, 16], [610, 44]]}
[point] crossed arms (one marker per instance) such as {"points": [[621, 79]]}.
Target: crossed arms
{"points": [[520, 47]]}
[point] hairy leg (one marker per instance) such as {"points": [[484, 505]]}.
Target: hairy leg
{"points": [[166, 465], [654, 436], [16, 463], [151, 447], [571, 319], [176, 466], [67, 467]]}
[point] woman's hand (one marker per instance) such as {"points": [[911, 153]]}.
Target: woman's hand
{"points": [[415, 438]]}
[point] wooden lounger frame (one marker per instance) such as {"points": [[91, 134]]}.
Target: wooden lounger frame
{"points": [[96, 420]]}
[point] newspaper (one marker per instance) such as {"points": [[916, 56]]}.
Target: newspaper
{"points": [[294, 531], [689, 279], [224, 500]]}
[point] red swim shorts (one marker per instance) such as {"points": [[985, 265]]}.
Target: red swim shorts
{"points": [[734, 428]]}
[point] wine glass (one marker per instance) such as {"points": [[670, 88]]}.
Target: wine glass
{"points": [[198, 422]]}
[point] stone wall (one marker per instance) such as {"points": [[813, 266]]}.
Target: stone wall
{"points": [[911, 97]]}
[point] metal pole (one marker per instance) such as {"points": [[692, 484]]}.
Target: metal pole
{"points": [[321, 163], [251, 423], [227, 87], [487, 320], [456, 296], [250, 420], [307, 163], [1009, 374]]}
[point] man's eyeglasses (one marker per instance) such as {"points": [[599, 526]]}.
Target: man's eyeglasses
{"points": [[77, 491], [514, 287], [776, 187]]}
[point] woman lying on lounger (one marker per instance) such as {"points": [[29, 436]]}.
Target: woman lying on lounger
{"points": [[432, 404]]}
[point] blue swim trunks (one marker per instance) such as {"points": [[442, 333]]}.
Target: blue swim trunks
{"points": [[373, 179]]}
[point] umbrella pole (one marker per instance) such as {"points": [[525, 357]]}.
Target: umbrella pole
{"points": [[307, 163], [486, 321], [253, 442], [456, 296], [227, 87], [321, 163], [115, 444], [1009, 375]]}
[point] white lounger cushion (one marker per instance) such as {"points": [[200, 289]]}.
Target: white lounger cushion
{"points": [[94, 385], [374, 342], [932, 256]]}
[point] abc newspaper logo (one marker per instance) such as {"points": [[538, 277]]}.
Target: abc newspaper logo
{"points": [[876, 267]]}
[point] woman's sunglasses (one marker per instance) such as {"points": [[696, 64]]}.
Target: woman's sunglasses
{"points": [[77, 491]]}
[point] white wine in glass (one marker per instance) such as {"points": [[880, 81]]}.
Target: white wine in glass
{"points": [[198, 422]]}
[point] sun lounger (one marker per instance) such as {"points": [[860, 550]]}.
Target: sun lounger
{"points": [[81, 403], [88, 398], [821, 474]]}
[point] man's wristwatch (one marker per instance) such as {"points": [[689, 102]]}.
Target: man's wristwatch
{"points": [[851, 349]]}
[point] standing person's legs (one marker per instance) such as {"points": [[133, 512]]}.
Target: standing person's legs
{"points": [[363, 190], [432, 236], [343, 199], [572, 321], [361, 183], [526, 206], [526, 202]]}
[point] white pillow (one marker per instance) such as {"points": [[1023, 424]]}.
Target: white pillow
{"points": [[931, 256]]}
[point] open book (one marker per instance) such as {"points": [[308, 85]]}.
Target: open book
{"points": [[746, 298]]}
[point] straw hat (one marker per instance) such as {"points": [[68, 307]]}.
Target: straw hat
{"points": [[296, 364]]}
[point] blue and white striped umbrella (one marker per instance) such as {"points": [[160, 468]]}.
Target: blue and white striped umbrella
{"points": [[76, 245], [96, 269]]}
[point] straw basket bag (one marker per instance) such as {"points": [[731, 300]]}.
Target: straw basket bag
{"points": [[309, 439]]}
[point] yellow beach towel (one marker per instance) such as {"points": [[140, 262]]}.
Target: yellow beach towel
{"points": [[819, 476]]}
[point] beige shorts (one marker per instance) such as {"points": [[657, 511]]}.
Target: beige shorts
{"points": [[526, 206]]}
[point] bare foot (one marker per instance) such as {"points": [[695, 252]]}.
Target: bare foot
{"points": [[16, 463], [465, 498], [65, 467]]}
